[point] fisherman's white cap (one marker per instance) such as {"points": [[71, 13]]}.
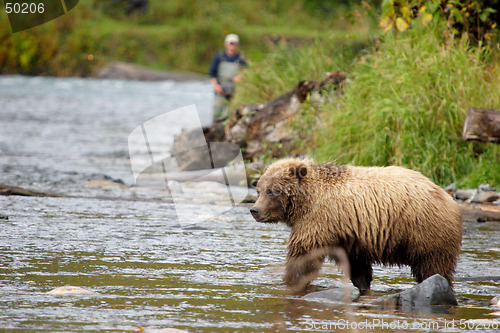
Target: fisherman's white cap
{"points": [[232, 38]]}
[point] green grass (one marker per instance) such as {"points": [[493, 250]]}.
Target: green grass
{"points": [[406, 105]]}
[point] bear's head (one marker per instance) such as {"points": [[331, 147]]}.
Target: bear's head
{"points": [[277, 191]]}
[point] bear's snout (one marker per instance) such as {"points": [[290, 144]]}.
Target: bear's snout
{"points": [[258, 215], [255, 212]]}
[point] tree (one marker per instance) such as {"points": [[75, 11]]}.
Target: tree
{"points": [[478, 19]]}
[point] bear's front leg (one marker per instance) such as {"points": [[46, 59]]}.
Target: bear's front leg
{"points": [[302, 269], [361, 273]]}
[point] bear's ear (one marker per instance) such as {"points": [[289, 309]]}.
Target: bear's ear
{"points": [[298, 171]]}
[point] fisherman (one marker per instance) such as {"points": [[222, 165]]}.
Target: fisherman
{"points": [[224, 73]]}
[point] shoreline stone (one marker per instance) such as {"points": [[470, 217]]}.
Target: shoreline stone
{"points": [[482, 194]]}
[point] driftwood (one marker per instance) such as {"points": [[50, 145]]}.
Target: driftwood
{"points": [[482, 124], [473, 212], [260, 127], [14, 190], [8, 190]]}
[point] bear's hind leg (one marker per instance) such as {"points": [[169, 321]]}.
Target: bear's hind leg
{"points": [[427, 268], [361, 274], [419, 273]]}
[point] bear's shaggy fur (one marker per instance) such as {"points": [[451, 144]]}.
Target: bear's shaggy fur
{"points": [[388, 215]]}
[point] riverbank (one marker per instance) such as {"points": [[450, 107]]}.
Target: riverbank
{"points": [[404, 103]]}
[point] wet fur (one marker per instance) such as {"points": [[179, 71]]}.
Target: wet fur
{"points": [[389, 215]]}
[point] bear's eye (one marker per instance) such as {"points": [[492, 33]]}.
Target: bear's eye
{"points": [[269, 192]]}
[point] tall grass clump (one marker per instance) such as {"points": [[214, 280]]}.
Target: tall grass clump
{"points": [[406, 105]]}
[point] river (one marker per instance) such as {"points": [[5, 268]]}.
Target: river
{"points": [[148, 269]]}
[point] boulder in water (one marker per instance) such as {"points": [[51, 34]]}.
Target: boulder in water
{"points": [[433, 291]]}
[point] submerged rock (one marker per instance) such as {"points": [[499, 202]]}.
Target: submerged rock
{"points": [[434, 290], [103, 183], [335, 295], [163, 330], [105, 179], [495, 302], [71, 290]]}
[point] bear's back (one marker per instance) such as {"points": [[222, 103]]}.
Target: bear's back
{"points": [[383, 204]]}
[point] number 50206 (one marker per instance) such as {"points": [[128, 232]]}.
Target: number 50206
{"points": [[24, 8]]}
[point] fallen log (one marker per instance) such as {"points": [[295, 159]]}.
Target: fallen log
{"points": [[482, 124], [14, 190], [260, 127], [473, 212], [256, 127]]}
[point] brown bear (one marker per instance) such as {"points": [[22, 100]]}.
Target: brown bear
{"points": [[386, 215]]}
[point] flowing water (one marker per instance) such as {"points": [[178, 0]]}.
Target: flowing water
{"points": [[148, 269]]}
